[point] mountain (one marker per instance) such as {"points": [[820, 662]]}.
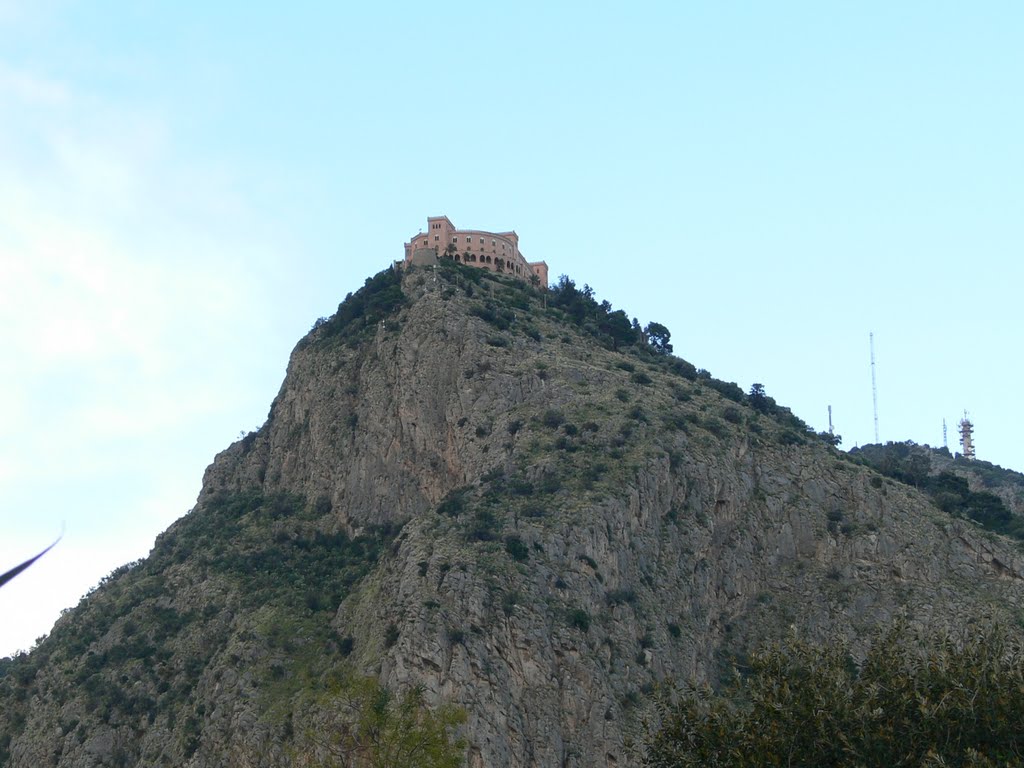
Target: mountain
{"points": [[516, 500]]}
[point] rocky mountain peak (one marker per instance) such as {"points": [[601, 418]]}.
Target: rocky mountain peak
{"points": [[518, 500]]}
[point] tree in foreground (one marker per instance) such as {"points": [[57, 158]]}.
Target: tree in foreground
{"points": [[361, 724], [929, 702]]}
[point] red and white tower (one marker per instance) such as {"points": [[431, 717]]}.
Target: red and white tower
{"points": [[967, 437]]}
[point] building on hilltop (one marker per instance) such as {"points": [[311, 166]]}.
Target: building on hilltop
{"points": [[496, 251]]}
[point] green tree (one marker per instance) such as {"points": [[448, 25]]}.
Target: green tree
{"points": [[616, 326], [912, 702], [658, 336], [759, 399], [361, 724], [831, 438]]}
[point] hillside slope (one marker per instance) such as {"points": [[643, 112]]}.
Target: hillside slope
{"points": [[987, 493], [462, 488]]}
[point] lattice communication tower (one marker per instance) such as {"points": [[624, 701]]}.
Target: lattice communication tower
{"points": [[967, 437]]}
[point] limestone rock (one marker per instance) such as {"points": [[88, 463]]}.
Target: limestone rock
{"points": [[545, 536]]}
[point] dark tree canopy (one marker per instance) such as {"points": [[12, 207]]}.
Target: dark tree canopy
{"points": [[658, 337], [759, 399], [931, 702], [611, 326]]}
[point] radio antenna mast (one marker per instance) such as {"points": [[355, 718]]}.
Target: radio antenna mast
{"points": [[874, 387], [967, 437]]}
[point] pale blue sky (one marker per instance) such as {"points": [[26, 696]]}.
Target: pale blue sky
{"points": [[184, 189]]}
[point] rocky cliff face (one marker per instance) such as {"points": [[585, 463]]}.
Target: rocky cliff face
{"points": [[458, 488]]}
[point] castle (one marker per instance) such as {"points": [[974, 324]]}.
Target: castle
{"points": [[496, 251]]}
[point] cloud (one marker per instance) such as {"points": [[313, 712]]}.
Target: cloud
{"points": [[26, 88], [128, 342], [101, 242]]}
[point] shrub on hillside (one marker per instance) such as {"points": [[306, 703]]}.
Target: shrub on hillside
{"points": [[364, 724], [912, 702]]}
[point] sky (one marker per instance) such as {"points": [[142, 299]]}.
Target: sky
{"points": [[186, 187]]}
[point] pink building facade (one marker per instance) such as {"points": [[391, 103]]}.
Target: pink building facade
{"points": [[496, 251]]}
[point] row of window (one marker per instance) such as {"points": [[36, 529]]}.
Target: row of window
{"points": [[469, 239]]}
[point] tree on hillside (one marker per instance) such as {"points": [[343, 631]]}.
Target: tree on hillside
{"points": [[616, 325], [658, 337], [759, 400], [912, 702], [831, 438]]}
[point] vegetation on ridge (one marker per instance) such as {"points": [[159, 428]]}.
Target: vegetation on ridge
{"points": [[379, 298], [566, 303], [913, 464], [612, 327]]}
